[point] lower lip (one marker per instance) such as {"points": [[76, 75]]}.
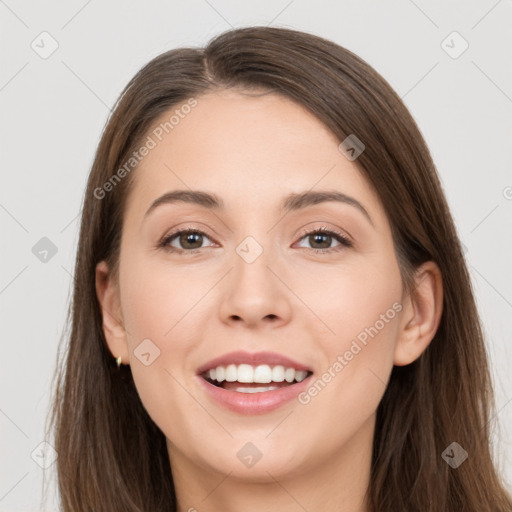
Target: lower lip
{"points": [[254, 403]]}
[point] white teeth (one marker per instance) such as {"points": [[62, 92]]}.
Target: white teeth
{"points": [[278, 373], [245, 373], [261, 374], [231, 373], [220, 374], [300, 375], [289, 374], [256, 390]]}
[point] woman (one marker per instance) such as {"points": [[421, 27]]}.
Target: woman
{"points": [[251, 370]]}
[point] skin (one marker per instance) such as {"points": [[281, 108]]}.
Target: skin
{"points": [[252, 150]]}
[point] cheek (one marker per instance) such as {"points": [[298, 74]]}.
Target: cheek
{"points": [[161, 304], [157, 298], [348, 301], [359, 309]]}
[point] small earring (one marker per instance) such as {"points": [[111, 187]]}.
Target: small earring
{"points": [[119, 360]]}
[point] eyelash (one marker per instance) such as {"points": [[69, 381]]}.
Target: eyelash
{"points": [[344, 241]]}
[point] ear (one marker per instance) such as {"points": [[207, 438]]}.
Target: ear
{"points": [[108, 297], [421, 314]]}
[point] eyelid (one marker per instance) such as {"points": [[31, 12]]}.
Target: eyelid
{"points": [[174, 232], [346, 239], [325, 229]]}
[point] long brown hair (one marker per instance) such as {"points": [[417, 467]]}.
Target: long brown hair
{"points": [[112, 456]]}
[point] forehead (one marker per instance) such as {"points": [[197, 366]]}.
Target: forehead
{"points": [[249, 148]]}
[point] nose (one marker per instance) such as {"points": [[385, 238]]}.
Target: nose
{"points": [[254, 292]]}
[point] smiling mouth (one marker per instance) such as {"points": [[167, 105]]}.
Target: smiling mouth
{"points": [[245, 378]]}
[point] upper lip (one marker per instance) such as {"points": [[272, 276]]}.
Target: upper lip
{"points": [[254, 359]]}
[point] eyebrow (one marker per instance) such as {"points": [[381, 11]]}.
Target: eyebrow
{"points": [[292, 202]]}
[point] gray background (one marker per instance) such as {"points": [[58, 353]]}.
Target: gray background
{"points": [[54, 108]]}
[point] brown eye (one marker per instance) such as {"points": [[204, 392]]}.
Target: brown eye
{"points": [[188, 240], [191, 241], [324, 238], [191, 237]]}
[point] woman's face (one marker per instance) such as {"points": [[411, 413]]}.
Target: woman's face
{"points": [[249, 278]]}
